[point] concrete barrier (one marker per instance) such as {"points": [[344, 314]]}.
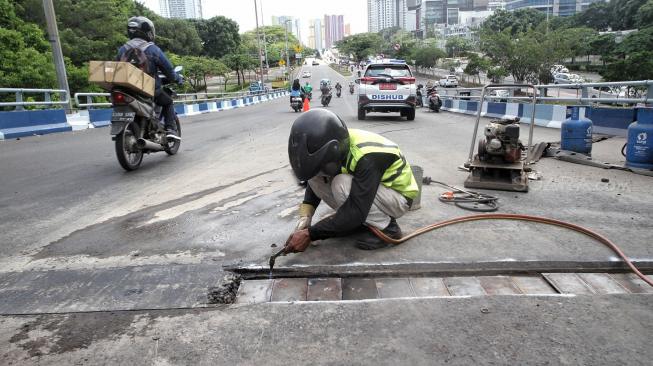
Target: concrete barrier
{"points": [[15, 124], [26, 123], [100, 117], [612, 121]]}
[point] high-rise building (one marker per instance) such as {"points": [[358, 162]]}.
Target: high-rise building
{"points": [[186, 9], [561, 8], [382, 14], [334, 29], [315, 34], [347, 30], [292, 24]]}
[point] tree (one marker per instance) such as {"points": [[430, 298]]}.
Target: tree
{"points": [[178, 36], [597, 16], [645, 15], [239, 61], [198, 69], [519, 21], [457, 46], [604, 46], [25, 54], [219, 36], [476, 65], [638, 66], [428, 56], [624, 14], [360, 45], [579, 41]]}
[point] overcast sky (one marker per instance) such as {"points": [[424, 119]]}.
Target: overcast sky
{"points": [[242, 11]]}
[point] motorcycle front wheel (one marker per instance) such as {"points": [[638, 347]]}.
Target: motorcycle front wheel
{"points": [[129, 156], [173, 144]]}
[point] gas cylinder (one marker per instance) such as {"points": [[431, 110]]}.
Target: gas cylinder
{"points": [[576, 132], [639, 152]]}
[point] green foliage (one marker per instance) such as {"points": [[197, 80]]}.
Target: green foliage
{"points": [[240, 61], [428, 56], [360, 45], [458, 46], [219, 35], [638, 66], [26, 61], [178, 36], [596, 16], [645, 15], [198, 69], [518, 21], [275, 38], [476, 65]]}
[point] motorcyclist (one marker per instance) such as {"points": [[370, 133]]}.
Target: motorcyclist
{"points": [[296, 90], [325, 86], [338, 88], [351, 87], [308, 89], [141, 33]]}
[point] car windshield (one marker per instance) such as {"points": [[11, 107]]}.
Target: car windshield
{"points": [[385, 70]]}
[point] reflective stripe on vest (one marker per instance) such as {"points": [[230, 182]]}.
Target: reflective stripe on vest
{"points": [[398, 176]]}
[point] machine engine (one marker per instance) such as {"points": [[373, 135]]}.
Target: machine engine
{"points": [[501, 143]]}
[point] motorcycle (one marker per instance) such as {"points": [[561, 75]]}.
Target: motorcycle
{"points": [[351, 89], [138, 125], [309, 95], [325, 99], [296, 103], [338, 92], [434, 100], [418, 95]]}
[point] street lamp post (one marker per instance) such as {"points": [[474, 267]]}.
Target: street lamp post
{"points": [[265, 41], [57, 54], [258, 41], [285, 26]]}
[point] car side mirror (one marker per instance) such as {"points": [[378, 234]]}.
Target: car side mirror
{"points": [[357, 81], [179, 68]]}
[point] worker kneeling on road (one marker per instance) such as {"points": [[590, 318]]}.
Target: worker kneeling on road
{"points": [[361, 175]]}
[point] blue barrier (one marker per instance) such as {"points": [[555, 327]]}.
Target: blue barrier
{"points": [[448, 103], [606, 120], [495, 109], [472, 107], [15, 124], [100, 117], [204, 107], [179, 108]]}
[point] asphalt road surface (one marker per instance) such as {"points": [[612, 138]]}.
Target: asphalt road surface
{"points": [[80, 234]]}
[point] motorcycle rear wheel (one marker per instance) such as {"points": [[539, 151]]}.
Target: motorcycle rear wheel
{"points": [[173, 145], [128, 155]]}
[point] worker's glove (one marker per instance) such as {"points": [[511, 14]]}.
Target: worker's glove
{"points": [[306, 212]]}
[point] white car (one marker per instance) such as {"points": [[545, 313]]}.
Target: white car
{"points": [[306, 74], [387, 86], [449, 81]]}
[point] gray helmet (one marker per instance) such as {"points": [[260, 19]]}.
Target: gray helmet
{"points": [[319, 141], [141, 27]]}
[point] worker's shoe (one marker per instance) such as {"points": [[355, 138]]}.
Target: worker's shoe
{"points": [[372, 242]]}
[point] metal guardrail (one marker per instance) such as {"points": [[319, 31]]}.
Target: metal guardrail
{"points": [[20, 102], [587, 93], [182, 98]]}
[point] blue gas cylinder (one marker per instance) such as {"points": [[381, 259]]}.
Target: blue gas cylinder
{"points": [[576, 132], [639, 152]]}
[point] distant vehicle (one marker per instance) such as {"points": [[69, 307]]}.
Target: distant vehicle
{"points": [[501, 93], [315, 63], [256, 87], [564, 78], [306, 74], [556, 69], [449, 82], [387, 86]]}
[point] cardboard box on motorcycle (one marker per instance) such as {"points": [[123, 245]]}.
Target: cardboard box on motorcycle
{"points": [[110, 73]]}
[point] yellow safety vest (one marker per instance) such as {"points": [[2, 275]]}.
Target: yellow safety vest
{"points": [[398, 176]]}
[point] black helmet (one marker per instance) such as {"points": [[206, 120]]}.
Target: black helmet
{"points": [[141, 27], [319, 141]]}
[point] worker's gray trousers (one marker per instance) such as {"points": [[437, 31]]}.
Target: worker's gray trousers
{"points": [[387, 203]]}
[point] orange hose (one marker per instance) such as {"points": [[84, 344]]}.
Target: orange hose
{"points": [[543, 220]]}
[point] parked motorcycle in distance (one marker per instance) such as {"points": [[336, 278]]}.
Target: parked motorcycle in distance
{"points": [[138, 125], [434, 100], [296, 103]]}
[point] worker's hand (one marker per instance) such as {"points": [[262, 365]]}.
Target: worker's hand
{"points": [[298, 241], [306, 212]]}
